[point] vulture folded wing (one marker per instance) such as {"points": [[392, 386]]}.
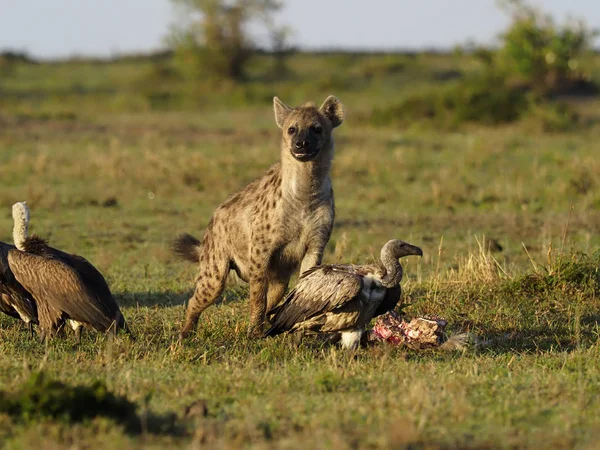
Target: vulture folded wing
{"points": [[89, 275], [86, 270], [6, 275], [319, 290], [95, 282], [60, 287], [15, 301], [6, 304]]}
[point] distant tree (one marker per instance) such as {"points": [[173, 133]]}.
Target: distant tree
{"points": [[213, 35], [280, 45]]}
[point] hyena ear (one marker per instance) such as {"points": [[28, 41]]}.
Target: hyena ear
{"points": [[334, 111], [281, 111]]}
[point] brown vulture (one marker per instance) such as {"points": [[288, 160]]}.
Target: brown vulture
{"points": [[66, 287], [343, 298]]}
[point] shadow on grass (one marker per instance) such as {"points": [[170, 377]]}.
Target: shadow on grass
{"points": [[41, 398], [530, 339], [591, 320]]}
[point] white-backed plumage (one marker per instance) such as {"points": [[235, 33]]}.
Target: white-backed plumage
{"points": [[343, 298], [66, 287]]}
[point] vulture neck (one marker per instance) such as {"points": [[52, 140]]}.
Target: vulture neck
{"points": [[393, 269], [20, 233]]}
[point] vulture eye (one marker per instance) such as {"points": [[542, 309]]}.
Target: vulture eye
{"points": [[317, 129], [291, 130]]}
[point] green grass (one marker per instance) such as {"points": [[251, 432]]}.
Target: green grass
{"points": [[113, 176]]}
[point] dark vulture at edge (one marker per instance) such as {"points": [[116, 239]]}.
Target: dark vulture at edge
{"points": [[15, 300], [66, 287]]}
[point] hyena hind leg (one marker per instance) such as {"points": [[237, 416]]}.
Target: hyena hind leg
{"points": [[209, 286]]}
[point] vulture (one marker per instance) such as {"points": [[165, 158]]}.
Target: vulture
{"points": [[343, 298], [66, 287], [15, 301]]}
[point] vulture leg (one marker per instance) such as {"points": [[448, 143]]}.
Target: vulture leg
{"points": [[351, 338], [57, 331], [43, 336], [127, 331], [30, 328], [333, 338], [76, 326], [114, 329], [297, 337]]}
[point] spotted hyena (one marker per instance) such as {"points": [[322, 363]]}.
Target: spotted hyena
{"points": [[280, 221]]}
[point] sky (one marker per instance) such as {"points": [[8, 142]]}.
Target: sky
{"points": [[64, 28]]}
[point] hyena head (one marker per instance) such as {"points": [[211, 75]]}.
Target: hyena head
{"points": [[307, 130]]}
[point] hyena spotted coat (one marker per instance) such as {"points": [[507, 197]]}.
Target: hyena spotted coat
{"points": [[280, 221]]}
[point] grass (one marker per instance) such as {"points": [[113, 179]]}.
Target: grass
{"points": [[508, 218]]}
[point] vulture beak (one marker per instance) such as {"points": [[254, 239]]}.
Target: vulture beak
{"points": [[412, 250]]}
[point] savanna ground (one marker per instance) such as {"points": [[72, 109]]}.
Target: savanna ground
{"points": [[114, 159]]}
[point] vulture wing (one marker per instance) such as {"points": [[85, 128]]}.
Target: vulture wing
{"points": [[6, 275], [319, 290], [89, 275], [92, 277], [60, 288], [14, 299], [6, 306]]}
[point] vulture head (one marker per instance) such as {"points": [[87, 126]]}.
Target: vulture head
{"points": [[399, 249], [391, 252]]}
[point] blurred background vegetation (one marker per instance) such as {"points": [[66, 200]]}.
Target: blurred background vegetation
{"points": [[539, 73], [486, 157]]}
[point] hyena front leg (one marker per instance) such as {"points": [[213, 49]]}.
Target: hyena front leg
{"points": [[258, 303], [259, 285], [314, 254], [277, 288]]}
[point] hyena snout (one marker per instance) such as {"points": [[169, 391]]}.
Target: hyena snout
{"points": [[305, 148]]}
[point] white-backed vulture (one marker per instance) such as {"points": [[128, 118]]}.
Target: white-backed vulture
{"points": [[66, 287], [343, 298], [15, 301]]}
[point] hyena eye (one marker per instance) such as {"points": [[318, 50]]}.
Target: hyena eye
{"points": [[291, 130], [317, 129]]}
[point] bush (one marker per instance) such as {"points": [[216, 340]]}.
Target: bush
{"points": [[536, 61], [541, 53], [485, 99], [158, 85], [576, 274], [382, 66], [554, 117]]}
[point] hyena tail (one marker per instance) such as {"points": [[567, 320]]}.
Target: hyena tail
{"points": [[186, 247]]}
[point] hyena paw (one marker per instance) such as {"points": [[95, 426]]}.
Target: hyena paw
{"points": [[256, 331]]}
